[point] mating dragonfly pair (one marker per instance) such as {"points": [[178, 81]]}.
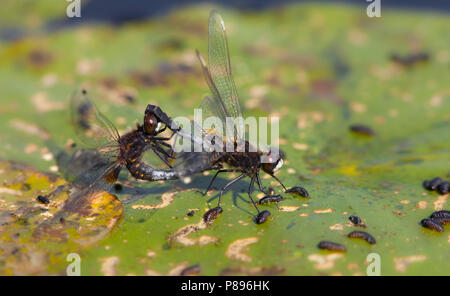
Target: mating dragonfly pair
{"points": [[116, 152]]}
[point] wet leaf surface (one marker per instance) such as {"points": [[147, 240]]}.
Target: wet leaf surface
{"points": [[32, 243], [321, 70]]}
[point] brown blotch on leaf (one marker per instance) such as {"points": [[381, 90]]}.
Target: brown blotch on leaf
{"points": [[162, 75], [147, 79], [39, 58]]}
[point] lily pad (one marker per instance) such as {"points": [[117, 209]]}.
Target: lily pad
{"points": [[320, 68]]}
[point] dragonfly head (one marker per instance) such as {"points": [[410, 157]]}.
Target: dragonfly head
{"points": [[154, 119], [151, 124], [273, 161]]}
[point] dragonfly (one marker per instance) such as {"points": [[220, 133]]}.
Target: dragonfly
{"points": [[223, 103], [107, 151], [116, 151]]}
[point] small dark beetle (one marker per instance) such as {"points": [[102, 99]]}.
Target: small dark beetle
{"points": [[270, 198], [443, 188], [364, 235], [442, 220], [435, 183], [298, 191], [362, 129], [262, 217], [331, 246], [432, 224], [426, 184], [42, 199], [440, 214], [212, 214], [357, 221]]}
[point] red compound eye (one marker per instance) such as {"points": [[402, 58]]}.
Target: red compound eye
{"points": [[150, 123]]}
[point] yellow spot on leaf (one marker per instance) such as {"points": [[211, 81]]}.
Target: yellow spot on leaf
{"points": [[349, 170]]}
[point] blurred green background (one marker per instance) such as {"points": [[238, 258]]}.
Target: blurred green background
{"points": [[319, 67]]}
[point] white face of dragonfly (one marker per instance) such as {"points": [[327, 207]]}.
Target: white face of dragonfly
{"points": [[158, 127], [279, 165]]}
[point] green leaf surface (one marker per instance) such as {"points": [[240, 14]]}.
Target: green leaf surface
{"points": [[320, 69]]}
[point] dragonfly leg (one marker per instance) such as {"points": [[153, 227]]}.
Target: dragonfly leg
{"points": [[173, 133], [165, 144], [160, 138], [258, 179], [229, 184], [212, 180], [273, 176], [160, 149], [162, 130], [158, 153], [250, 190], [169, 153]]}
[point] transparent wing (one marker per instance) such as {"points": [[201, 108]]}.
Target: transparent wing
{"points": [[223, 104], [211, 107], [219, 64], [91, 127], [95, 131], [224, 101], [156, 159], [195, 150], [80, 195], [190, 163], [86, 166]]}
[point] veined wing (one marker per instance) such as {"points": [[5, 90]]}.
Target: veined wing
{"points": [[225, 101], [80, 195], [91, 127], [88, 171], [87, 166], [190, 163], [195, 150], [219, 64]]}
